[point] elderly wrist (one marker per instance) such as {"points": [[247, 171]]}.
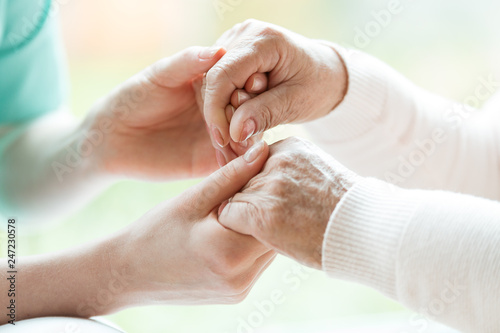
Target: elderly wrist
{"points": [[340, 77], [341, 184]]}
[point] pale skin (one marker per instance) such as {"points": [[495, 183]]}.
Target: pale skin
{"points": [[300, 185], [288, 205], [140, 125], [306, 80], [178, 252], [161, 106]]}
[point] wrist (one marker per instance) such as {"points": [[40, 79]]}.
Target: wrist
{"points": [[341, 182], [339, 78], [115, 287], [91, 144]]}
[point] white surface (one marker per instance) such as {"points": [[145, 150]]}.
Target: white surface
{"points": [[59, 325]]}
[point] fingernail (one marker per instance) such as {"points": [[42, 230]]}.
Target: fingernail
{"points": [[248, 129], [243, 144], [258, 84], [221, 160], [242, 97], [208, 53], [230, 112], [254, 152], [217, 136]]}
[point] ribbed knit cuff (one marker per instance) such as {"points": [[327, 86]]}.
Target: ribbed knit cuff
{"points": [[363, 103], [363, 236]]}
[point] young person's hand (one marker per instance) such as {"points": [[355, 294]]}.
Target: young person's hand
{"points": [[178, 253], [156, 126], [182, 254]]}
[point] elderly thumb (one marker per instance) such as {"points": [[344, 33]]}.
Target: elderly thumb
{"points": [[261, 113]]}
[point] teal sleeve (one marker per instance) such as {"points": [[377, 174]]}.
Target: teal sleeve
{"points": [[33, 77]]}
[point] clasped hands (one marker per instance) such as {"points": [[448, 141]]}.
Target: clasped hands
{"points": [[210, 244]]}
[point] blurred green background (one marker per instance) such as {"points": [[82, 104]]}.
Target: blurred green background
{"points": [[442, 45]]}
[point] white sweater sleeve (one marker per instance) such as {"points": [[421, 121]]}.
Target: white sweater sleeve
{"points": [[390, 129], [436, 252]]}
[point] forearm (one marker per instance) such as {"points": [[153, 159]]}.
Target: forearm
{"points": [[84, 281], [388, 128], [435, 252], [49, 169]]}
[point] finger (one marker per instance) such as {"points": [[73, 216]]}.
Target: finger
{"points": [[230, 112], [184, 65], [226, 155], [241, 148], [227, 181], [230, 73], [257, 83], [222, 155], [240, 96], [197, 85], [203, 87], [267, 110], [238, 216]]}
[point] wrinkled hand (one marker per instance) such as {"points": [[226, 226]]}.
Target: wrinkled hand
{"points": [[288, 205], [151, 126], [180, 253], [255, 85], [306, 80]]}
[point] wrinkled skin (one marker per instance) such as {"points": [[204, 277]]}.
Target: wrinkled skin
{"points": [[288, 205], [179, 253], [306, 80]]}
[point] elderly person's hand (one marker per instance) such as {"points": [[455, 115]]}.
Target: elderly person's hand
{"points": [[288, 205], [306, 80]]}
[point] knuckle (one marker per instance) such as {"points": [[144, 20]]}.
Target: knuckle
{"points": [[267, 117], [294, 140], [270, 31], [279, 188], [286, 160], [217, 73]]}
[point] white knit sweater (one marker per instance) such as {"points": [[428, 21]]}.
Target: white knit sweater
{"points": [[434, 251]]}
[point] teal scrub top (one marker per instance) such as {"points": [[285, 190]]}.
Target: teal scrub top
{"points": [[33, 78]]}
